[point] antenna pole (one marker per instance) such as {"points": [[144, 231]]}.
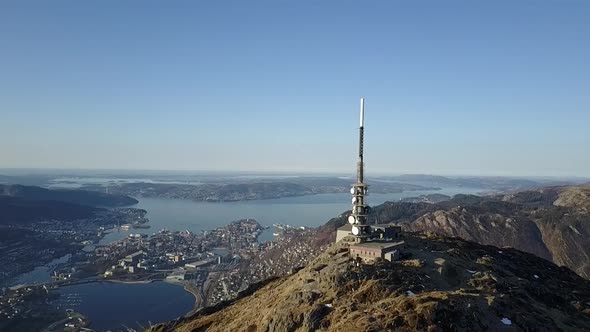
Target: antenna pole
{"points": [[360, 171], [358, 218]]}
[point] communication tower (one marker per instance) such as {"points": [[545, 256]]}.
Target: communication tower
{"points": [[358, 218]]}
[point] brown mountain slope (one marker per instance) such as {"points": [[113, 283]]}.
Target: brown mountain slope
{"points": [[565, 228], [484, 227], [577, 197], [441, 284]]}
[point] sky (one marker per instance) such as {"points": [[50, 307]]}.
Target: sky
{"points": [[451, 87]]}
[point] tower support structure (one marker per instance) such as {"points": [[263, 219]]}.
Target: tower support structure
{"points": [[359, 216]]}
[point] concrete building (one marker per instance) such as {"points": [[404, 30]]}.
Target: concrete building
{"points": [[133, 258], [201, 263], [368, 252], [177, 275], [380, 232], [343, 232], [386, 231]]}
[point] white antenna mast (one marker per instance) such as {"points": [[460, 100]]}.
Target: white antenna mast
{"points": [[358, 218]]}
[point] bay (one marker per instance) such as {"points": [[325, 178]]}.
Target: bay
{"points": [[41, 274], [114, 306]]}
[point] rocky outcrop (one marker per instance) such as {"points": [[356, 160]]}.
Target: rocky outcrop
{"points": [[565, 228], [577, 197]]}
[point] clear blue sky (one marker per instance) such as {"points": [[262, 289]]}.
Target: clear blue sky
{"points": [[451, 87]]}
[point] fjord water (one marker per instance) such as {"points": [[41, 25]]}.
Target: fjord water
{"points": [[114, 306], [42, 273], [312, 211]]}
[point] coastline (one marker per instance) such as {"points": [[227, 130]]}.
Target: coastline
{"points": [[196, 295], [130, 282], [186, 286]]}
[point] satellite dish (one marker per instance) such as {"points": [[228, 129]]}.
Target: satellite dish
{"points": [[355, 230], [351, 219], [352, 190], [354, 200]]}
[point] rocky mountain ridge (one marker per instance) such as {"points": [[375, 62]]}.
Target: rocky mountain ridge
{"points": [[552, 223]]}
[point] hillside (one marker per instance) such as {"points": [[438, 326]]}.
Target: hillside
{"points": [[14, 210], [565, 228], [441, 284], [80, 197], [485, 227], [577, 197]]}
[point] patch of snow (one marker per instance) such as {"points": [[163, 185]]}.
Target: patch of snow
{"points": [[506, 321], [536, 276], [471, 271], [328, 305], [575, 230], [410, 293], [500, 252]]}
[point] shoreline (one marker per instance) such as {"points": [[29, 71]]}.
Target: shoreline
{"points": [[130, 282], [196, 296], [186, 287]]}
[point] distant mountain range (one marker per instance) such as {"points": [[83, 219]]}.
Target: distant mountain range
{"points": [[485, 182]]}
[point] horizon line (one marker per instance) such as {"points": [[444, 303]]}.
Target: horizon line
{"points": [[276, 172]]}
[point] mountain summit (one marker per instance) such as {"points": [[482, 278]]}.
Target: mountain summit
{"points": [[438, 284]]}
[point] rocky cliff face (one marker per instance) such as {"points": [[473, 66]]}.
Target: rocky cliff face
{"points": [[440, 284], [565, 228], [500, 230]]}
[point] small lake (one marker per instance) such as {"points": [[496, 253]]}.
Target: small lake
{"points": [[114, 306]]}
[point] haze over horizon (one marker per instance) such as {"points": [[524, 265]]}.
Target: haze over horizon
{"points": [[460, 88]]}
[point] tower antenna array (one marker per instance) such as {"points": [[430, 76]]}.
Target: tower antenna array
{"points": [[358, 217]]}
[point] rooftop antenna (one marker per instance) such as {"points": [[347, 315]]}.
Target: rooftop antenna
{"points": [[358, 217]]}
